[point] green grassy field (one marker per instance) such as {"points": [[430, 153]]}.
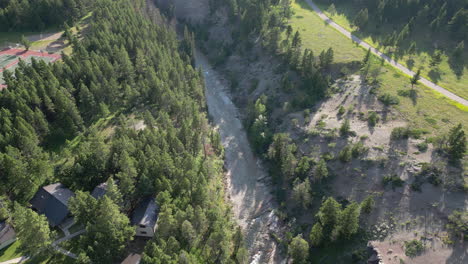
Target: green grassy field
{"points": [[431, 110], [444, 76], [10, 252]]}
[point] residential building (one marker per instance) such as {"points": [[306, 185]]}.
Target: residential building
{"points": [[144, 217], [52, 201], [7, 235]]}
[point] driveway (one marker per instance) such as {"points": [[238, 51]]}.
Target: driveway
{"points": [[395, 64]]}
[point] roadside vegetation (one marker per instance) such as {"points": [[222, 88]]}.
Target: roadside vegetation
{"points": [[424, 104], [426, 35]]}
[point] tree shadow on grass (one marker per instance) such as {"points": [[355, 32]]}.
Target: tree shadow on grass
{"points": [[411, 94], [410, 64], [434, 75], [457, 66]]}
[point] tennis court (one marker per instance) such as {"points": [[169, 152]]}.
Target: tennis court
{"points": [[9, 59]]}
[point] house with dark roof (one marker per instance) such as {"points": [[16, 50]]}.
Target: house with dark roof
{"points": [[7, 235], [144, 217], [52, 201], [99, 191]]}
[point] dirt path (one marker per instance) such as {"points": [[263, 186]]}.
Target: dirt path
{"points": [[395, 64], [249, 194]]}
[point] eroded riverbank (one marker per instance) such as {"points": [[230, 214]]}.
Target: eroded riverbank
{"points": [[252, 202]]}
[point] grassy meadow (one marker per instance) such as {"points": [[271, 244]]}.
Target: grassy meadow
{"points": [[430, 110], [449, 74]]}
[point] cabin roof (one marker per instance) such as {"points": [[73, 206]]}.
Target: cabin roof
{"points": [[52, 201], [146, 213]]}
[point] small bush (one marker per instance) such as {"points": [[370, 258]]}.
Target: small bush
{"points": [[313, 132], [393, 180], [422, 147], [341, 111], [373, 118], [406, 132], [388, 99], [413, 248], [331, 135], [345, 154], [399, 133], [368, 204], [404, 93], [358, 149], [345, 128]]}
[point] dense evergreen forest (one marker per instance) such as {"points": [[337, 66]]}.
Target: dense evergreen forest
{"points": [[438, 16], [124, 65], [34, 15]]}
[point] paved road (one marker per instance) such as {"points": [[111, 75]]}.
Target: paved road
{"points": [[385, 57]]}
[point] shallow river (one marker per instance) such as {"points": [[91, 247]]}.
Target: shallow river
{"points": [[251, 199]]}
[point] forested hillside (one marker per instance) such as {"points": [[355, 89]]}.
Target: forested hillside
{"points": [[49, 132], [440, 16], [34, 15], [347, 148]]}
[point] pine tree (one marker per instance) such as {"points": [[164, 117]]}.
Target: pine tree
{"points": [[301, 194], [329, 213], [321, 170], [361, 18], [316, 235], [415, 79], [456, 144], [25, 42], [348, 223], [299, 250], [32, 230]]}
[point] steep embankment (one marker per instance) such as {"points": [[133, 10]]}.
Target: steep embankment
{"points": [[247, 185]]}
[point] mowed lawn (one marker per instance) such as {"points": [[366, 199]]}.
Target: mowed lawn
{"points": [[431, 111], [10, 252], [444, 76]]}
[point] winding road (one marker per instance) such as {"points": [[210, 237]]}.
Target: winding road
{"points": [[395, 64]]}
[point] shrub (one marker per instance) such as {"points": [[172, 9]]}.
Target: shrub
{"points": [[394, 180], [341, 111], [388, 99], [345, 128], [373, 118], [406, 132], [458, 224], [422, 146], [413, 248], [358, 149], [331, 135], [368, 204], [345, 154], [399, 133], [431, 173]]}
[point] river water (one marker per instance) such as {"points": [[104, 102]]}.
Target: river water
{"points": [[247, 186]]}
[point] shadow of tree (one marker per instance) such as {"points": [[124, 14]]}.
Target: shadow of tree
{"points": [[457, 66], [410, 64], [434, 75]]}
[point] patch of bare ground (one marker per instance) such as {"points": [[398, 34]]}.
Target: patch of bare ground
{"points": [[401, 213]]}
